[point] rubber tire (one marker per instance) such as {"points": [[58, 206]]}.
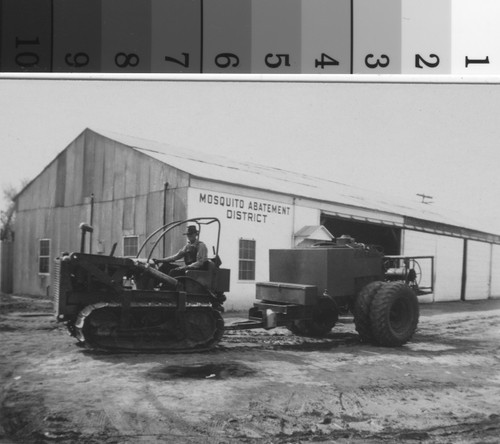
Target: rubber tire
{"points": [[325, 316], [394, 314], [361, 310]]}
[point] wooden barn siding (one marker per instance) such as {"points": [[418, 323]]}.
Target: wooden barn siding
{"points": [[103, 168], [140, 216], [56, 184], [70, 176], [99, 167], [124, 172], [40, 193], [93, 171], [60, 225], [119, 169], [154, 213], [48, 188], [143, 170], [175, 209], [132, 193], [128, 213], [60, 180], [131, 175], [64, 231], [74, 167], [106, 230], [129, 199], [107, 191], [6, 262]]}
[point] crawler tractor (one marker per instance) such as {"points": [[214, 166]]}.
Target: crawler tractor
{"points": [[133, 305], [130, 304]]}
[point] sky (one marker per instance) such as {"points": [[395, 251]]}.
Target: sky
{"points": [[400, 138]]}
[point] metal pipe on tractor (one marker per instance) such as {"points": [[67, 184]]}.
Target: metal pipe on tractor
{"points": [[85, 228], [132, 305]]}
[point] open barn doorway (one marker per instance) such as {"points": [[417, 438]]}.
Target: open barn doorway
{"points": [[386, 237]]}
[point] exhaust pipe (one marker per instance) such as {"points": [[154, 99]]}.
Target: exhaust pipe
{"points": [[85, 228]]}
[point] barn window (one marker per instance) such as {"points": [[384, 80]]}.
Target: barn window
{"points": [[246, 271], [130, 245], [44, 256]]}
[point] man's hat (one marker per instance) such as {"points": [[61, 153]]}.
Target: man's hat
{"points": [[191, 230]]}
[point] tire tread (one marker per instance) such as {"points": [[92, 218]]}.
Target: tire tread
{"points": [[361, 312], [382, 330]]}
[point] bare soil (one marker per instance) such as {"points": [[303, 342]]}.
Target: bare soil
{"points": [[257, 386]]}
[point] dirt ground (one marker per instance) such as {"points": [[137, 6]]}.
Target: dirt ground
{"points": [[257, 386]]}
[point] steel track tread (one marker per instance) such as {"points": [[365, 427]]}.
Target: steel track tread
{"points": [[159, 329]]}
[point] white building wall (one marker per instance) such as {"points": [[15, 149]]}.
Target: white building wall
{"points": [[478, 270], [272, 219], [305, 216], [448, 254], [495, 272], [449, 265], [269, 222]]}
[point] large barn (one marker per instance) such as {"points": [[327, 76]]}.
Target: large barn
{"points": [[127, 187]]}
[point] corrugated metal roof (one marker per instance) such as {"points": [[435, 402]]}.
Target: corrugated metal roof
{"points": [[248, 174]]}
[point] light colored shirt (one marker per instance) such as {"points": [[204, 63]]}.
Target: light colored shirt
{"points": [[194, 254]]}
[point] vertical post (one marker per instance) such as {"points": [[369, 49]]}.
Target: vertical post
{"points": [[352, 37], [432, 280], [490, 276], [165, 189], [91, 220], [464, 272]]}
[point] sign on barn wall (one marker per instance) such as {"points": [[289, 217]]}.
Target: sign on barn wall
{"points": [[237, 208]]}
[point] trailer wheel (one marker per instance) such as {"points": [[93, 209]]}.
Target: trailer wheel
{"points": [[361, 310], [394, 314], [325, 316]]}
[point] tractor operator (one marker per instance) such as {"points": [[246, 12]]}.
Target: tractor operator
{"points": [[194, 253]]}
